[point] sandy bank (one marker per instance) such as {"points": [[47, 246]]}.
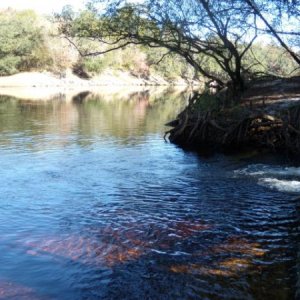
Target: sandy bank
{"points": [[46, 86], [68, 94], [108, 78]]}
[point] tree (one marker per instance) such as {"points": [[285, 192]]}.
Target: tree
{"points": [[197, 30], [202, 32], [21, 42]]}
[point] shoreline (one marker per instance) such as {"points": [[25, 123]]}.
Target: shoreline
{"points": [[70, 80], [46, 86], [267, 118]]}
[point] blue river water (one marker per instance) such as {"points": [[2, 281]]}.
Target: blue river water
{"points": [[94, 204]]}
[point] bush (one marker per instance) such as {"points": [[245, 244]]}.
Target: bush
{"points": [[94, 65], [22, 44], [8, 65]]}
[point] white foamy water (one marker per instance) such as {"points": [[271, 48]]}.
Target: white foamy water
{"points": [[285, 179], [291, 186], [260, 170]]}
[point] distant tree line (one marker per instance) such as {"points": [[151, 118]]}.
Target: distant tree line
{"points": [[29, 42], [214, 39]]}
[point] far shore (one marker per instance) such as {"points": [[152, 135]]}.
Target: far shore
{"points": [[70, 80], [45, 85]]}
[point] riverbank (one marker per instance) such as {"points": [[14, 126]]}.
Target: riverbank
{"points": [[266, 118], [47, 86], [70, 80], [69, 94]]}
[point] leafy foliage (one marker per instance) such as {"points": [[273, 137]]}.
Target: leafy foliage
{"points": [[21, 42], [162, 38], [215, 37]]}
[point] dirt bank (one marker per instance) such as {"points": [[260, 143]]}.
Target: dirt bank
{"points": [[267, 117]]}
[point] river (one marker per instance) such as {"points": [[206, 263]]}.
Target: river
{"points": [[94, 204]]}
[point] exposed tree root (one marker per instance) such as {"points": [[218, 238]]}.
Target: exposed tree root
{"points": [[278, 132]]}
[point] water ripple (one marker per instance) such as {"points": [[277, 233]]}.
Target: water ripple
{"points": [[95, 205]]}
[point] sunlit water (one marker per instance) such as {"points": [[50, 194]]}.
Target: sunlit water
{"points": [[95, 205]]}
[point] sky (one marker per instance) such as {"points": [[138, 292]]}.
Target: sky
{"points": [[40, 6]]}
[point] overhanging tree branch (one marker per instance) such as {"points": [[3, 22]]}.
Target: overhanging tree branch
{"points": [[257, 11]]}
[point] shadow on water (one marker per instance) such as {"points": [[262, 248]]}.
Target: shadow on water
{"points": [[95, 205]]}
